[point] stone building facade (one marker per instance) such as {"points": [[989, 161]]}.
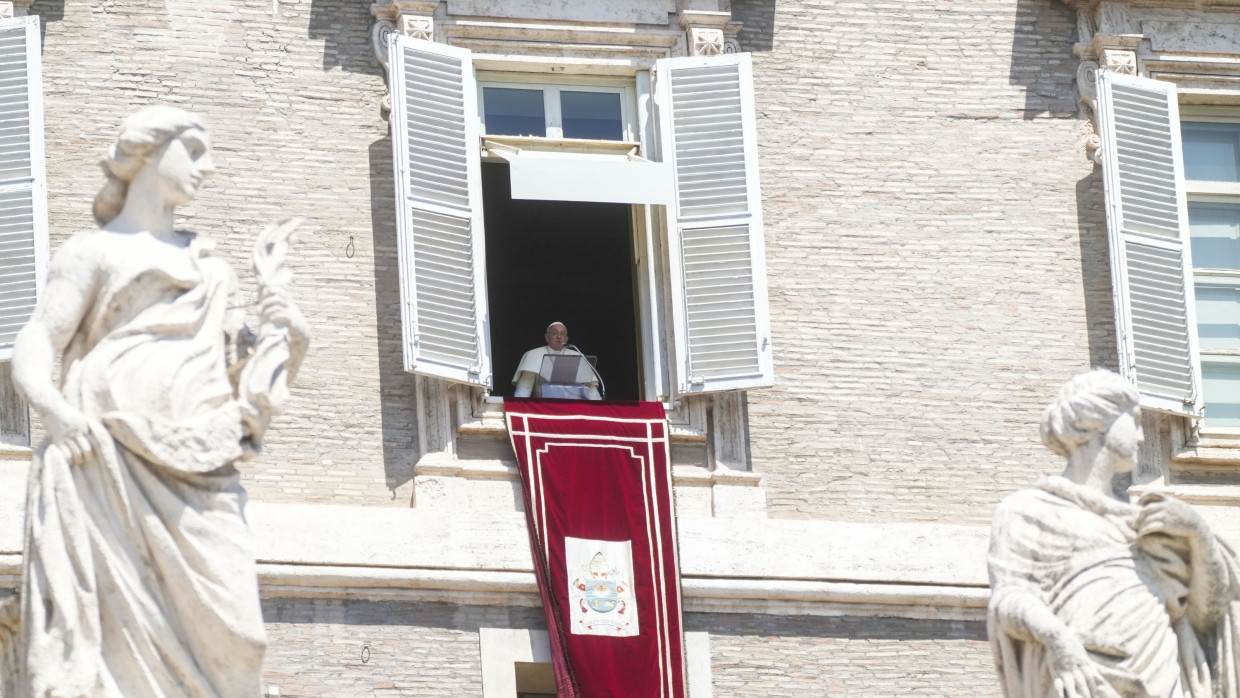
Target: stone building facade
{"points": [[937, 263]]}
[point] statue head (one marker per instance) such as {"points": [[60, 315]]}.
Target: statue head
{"points": [[1087, 407], [143, 139]]}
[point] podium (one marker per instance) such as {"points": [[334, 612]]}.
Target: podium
{"points": [[567, 376]]}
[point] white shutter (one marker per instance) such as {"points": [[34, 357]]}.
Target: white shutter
{"points": [[718, 271], [1151, 269], [439, 211], [23, 181]]}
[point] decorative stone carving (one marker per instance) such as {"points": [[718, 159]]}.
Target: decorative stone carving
{"points": [[1096, 56], [709, 33], [139, 578], [1105, 41], [1092, 595], [6, 10], [380, 37], [413, 18], [1120, 61], [706, 42], [418, 27]]}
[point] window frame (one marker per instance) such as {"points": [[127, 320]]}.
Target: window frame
{"points": [[1203, 83], [551, 86], [636, 91], [425, 117], [1210, 191]]}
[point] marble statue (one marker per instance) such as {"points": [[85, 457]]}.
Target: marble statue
{"points": [[139, 578], [1093, 596]]}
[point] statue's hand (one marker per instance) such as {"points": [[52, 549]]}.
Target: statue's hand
{"points": [[279, 311], [1172, 517], [1076, 676], [69, 430]]}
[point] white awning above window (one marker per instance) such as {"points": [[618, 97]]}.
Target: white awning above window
{"points": [[573, 176]]}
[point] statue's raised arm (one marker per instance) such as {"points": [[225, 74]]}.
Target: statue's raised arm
{"points": [[1095, 597], [139, 576], [282, 336]]}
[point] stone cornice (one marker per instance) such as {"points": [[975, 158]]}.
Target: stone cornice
{"points": [[555, 46]]}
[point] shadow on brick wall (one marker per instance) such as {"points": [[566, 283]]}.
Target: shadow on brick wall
{"points": [[344, 28], [1042, 61], [1096, 271], [395, 386], [757, 18], [49, 10]]}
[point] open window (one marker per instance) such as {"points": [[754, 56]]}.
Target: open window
{"points": [[635, 221], [23, 182]]}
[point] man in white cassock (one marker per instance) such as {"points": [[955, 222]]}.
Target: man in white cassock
{"points": [[528, 378]]}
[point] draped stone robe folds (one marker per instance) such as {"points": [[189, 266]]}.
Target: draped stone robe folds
{"points": [[139, 575], [1077, 550]]}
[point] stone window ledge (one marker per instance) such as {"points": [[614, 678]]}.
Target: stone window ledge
{"points": [[446, 465]]}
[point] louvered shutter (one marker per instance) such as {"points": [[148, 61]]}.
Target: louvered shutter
{"points": [[717, 266], [439, 211], [23, 182], [1151, 272]]}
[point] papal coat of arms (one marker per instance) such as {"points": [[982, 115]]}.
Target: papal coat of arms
{"points": [[600, 587]]}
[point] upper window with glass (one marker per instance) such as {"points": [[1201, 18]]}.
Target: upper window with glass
{"points": [[556, 111], [1211, 142]]}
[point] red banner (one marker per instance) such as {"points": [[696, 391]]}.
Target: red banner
{"points": [[597, 482]]}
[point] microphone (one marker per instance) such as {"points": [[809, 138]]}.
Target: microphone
{"points": [[602, 387]]}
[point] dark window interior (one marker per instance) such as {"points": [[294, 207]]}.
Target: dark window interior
{"points": [[514, 112], [563, 261]]}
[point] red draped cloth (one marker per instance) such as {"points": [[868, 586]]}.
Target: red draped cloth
{"points": [[597, 483]]}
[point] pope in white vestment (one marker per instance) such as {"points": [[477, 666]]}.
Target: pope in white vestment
{"points": [[528, 377]]}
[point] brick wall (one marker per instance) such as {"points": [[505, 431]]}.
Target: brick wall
{"points": [[292, 103], [431, 649], [416, 649], [782, 656], [936, 251]]}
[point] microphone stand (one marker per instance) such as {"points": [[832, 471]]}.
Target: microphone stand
{"points": [[602, 387]]}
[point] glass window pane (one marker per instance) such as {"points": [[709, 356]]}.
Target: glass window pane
{"points": [[1211, 151], [1221, 385], [591, 115], [512, 112], [1215, 231], [1218, 316]]}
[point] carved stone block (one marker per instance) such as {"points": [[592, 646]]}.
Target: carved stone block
{"points": [[418, 27], [1120, 61], [706, 42]]}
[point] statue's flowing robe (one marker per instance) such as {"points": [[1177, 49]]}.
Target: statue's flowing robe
{"points": [[1076, 550], [139, 577]]}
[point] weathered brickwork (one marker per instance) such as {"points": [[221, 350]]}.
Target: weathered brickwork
{"points": [[936, 251], [928, 215], [936, 256], [415, 649], [782, 656], [292, 101], [431, 649]]}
